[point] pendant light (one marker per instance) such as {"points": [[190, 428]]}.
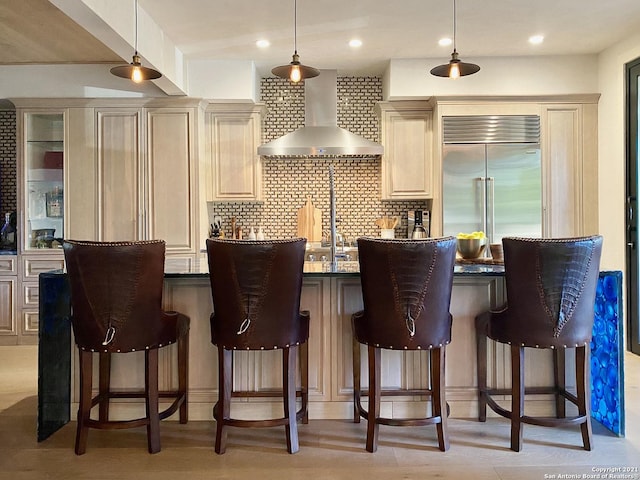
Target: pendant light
{"points": [[455, 68], [295, 71], [135, 71]]}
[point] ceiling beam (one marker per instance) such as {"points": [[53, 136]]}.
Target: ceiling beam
{"points": [[113, 23]]}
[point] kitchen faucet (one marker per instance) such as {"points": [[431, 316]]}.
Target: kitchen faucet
{"points": [[332, 216]]}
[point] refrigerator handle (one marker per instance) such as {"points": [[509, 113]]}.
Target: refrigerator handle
{"points": [[481, 183], [491, 207]]}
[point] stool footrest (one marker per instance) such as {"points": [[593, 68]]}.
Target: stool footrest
{"points": [[540, 421], [264, 393], [415, 392]]}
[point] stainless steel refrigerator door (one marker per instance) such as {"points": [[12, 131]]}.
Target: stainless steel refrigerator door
{"points": [[464, 192], [514, 191]]}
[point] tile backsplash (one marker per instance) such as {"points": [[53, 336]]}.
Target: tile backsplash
{"points": [[8, 194], [288, 182]]}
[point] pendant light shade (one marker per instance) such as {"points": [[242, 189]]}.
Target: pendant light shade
{"points": [[135, 71], [455, 68], [295, 71]]}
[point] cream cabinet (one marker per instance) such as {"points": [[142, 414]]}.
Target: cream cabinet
{"points": [[100, 169], [8, 297], [42, 145], [144, 176], [407, 136], [31, 266], [570, 167], [234, 168]]}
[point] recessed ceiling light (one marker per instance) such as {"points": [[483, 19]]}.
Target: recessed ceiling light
{"points": [[445, 42], [355, 43], [536, 39], [263, 43]]}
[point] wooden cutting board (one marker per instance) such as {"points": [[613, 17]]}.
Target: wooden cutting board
{"points": [[310, 222]]}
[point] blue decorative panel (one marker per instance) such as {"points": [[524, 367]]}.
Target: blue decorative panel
{"points": [[607, 354]]}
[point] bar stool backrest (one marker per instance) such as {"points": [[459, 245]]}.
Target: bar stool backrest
{"points": [[256, 288], [406, 287], [551, 288], [116, 294]]}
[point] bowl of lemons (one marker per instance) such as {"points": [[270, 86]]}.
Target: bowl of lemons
{"points": [[471, 245]]}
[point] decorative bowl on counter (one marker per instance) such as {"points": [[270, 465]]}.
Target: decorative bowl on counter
{"points": [[470, 248]]}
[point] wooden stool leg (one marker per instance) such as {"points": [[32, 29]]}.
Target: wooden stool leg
{"points": [[481, 366], [151, 400], [357, 384], [289, 397], [104, 380], [84, 407], [517, 396], [374, 399], [222, 410], [583, 382], [304, 380], [439, 397], [183, 376], [559, 380]]}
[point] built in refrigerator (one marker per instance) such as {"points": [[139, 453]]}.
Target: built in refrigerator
{"points": [[492, 178]]}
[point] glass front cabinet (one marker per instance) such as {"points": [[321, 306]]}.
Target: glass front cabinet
{"points": [[42, 147], [43, 143]]}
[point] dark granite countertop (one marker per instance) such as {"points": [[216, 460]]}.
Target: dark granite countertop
{"points": [[193, 267], [175, 268]]}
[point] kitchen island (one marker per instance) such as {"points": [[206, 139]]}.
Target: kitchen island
{"points": [[332, 294]]}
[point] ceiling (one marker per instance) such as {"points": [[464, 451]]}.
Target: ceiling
{"points": [[36, 32]]}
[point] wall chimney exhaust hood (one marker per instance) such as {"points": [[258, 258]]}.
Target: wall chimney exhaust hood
{"points": [[321, 136]]}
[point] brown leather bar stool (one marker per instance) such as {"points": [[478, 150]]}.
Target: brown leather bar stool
{"points": [[256, 288], [406, 287], [551, 287], [116, 301]]}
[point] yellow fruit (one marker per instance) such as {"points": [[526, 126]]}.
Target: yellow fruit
{"points": [[473, 235]]}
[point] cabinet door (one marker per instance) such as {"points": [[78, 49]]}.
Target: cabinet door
{"points": [[569, 152], [8, 305], [121, 215], [43, 151], [235, 166], [407, 170], [170, 145]]}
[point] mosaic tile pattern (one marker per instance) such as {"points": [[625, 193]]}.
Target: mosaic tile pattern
{"points": [[607, 354], [8, 192], [287, 183]]}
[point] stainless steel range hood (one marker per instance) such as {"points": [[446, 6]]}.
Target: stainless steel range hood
{"points": [[321, 136]]}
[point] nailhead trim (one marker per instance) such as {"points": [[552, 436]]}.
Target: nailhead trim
{"points": [[407, 347]]}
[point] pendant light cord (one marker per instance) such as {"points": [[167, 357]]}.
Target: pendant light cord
{"points": [[135, 41], [295, 26], [454, 25]]}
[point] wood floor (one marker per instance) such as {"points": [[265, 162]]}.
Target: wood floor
{"points": [[329, 449]]}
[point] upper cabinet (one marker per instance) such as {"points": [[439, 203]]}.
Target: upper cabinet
{"points": [[42, 143], [145, 170], [407, 136], [570, 166], [234, 168], [109, 170]]}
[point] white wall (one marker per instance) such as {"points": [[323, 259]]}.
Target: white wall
{"points": [[216, 80], [497, 76], [61, 81], [611, 149], [223, 80]]}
